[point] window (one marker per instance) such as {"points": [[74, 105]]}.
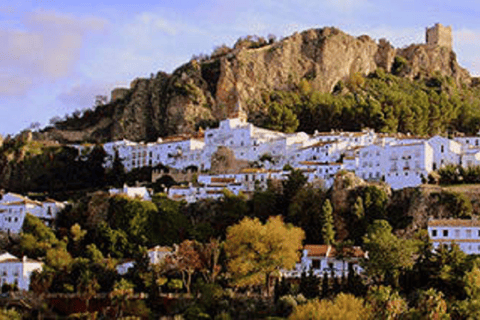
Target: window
{"points": [[442, 149], [468, 233], [457, 233], [434, 233], [315, 264], [445, 233]]}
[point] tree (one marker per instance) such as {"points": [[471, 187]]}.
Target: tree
{"points": [[120, 293], [88, 286], [386, 303], [328, 233], [209, 254], [255, 251], [470, 307], [187, 261], [388, 255], [309, 285], [117, 175], [281, 118], [305, 211], [295, 182], [431, 306]]}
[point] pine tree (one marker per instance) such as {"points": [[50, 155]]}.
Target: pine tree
{"points": [[328, 233], [325, 286]]}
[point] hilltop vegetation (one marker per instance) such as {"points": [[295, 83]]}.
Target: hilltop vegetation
{"points": [[382, 101]]}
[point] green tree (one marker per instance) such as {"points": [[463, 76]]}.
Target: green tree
{"points": [[305, 211], [256, 251], [386, 303], [281, 118], [388, 255], [431, 306], [88, 286], [328, 233], [121, 291], [116, 175]]}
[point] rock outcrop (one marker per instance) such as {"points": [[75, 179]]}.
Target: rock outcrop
{"points": [[203, 92]]}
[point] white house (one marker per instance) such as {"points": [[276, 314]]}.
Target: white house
{"points": [[445, 151], [14, 207], [17, 271], [155, 255], [324, 258], [132, 192], [407, 164], [465, 233]]}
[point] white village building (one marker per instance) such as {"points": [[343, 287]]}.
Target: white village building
{"points": [[155, 255], [17, 271], [14, 207], [399, 160], [132, 192], [465, 233], [321, 259]]}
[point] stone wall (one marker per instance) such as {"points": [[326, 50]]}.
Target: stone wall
{"points": [[438, 35], [118, 93]]}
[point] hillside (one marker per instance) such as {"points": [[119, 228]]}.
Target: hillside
{"points": [[208, 89]]}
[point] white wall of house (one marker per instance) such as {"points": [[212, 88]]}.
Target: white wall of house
{"points": [[17, 271], [445, 151], [465, 233], [13, 209]]}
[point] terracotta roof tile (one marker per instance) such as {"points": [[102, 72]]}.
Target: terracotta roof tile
{"points": [[453, 223]]}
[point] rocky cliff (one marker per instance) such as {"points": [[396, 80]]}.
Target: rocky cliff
{"points": [[205, 91]]}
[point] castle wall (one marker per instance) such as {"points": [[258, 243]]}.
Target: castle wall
{"points": [[439, 35]]}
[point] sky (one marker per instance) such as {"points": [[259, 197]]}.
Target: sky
{"points": [[56, 56]]}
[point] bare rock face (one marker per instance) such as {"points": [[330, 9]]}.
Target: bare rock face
{"points": [[212, 89], [425, 60]]}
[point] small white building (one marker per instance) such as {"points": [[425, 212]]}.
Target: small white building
{"points": [[324, 258], [155, 255], [17, 271], [465, 233], [132, 192]]}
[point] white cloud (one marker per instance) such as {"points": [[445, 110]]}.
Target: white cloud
{"points": [[45, 49]]}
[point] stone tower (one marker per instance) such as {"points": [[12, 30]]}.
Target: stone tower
{"points": [[439, 35]]}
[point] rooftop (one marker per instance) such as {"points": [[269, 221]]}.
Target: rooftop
{"points": [[453, 223]]}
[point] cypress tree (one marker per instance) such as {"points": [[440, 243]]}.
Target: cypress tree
{"points": [[328, 233]]}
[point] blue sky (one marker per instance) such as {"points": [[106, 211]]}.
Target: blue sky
{"points": [[56, 56]]}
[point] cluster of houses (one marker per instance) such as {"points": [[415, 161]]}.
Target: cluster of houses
{"points": [[399, 160]]}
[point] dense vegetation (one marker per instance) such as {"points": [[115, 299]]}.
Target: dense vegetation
{"points": [[382, 101], [234, 245]]}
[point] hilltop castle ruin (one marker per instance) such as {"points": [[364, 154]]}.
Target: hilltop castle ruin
{"points": [[438, 35]]}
